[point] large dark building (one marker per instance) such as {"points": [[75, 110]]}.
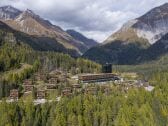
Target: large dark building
{"points": [[107, 68], [103, 77]]}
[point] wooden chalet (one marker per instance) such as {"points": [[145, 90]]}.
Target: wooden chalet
{"points": [[14, 94], [28, 88], [53, 80], [41, 94], [67, 91]]}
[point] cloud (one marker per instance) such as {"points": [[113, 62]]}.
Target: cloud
{"points": [[94, 18]]}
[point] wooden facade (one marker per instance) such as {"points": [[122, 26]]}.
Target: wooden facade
{"points": [[14, 94], [67, 91], [41, 94], [28, 88], [53, 80]]}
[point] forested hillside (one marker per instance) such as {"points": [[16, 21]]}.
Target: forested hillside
{"points": [[16, 52]]}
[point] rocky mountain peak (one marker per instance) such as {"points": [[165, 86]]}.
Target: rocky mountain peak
{"points": [[9, 8], [157, 13], [165, 5], [27, 14], [8, 12], [150, 26], [30, 13]]}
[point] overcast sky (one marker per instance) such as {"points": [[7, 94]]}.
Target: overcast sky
{"points": [[96, 19]]}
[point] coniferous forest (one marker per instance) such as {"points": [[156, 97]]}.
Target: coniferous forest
{"points": [[136, 107], [119, 108]]}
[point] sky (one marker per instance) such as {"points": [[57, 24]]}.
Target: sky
{"points": [[96, 19]]}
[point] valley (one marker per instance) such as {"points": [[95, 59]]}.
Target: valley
{"points": [[55, 77]]}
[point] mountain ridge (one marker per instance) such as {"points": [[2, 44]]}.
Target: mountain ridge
{"points": [[30, 23], [7, 34], [150, 26], [9, 12], [78, 36]]}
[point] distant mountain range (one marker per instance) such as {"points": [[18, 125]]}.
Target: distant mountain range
{"points": [[47, 36], [78, 36], [138, 40]]}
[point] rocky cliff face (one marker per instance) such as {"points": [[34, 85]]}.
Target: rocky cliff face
{"points": [[8, 12]]}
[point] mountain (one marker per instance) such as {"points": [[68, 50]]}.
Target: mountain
{"points": [[9, 35], [129, 45], [78, 36], [151, 26], [30, 23], [9, 12]]}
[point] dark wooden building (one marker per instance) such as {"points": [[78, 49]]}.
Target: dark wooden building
{"points": [[103, 77], [107, 68], [67, 91]]}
